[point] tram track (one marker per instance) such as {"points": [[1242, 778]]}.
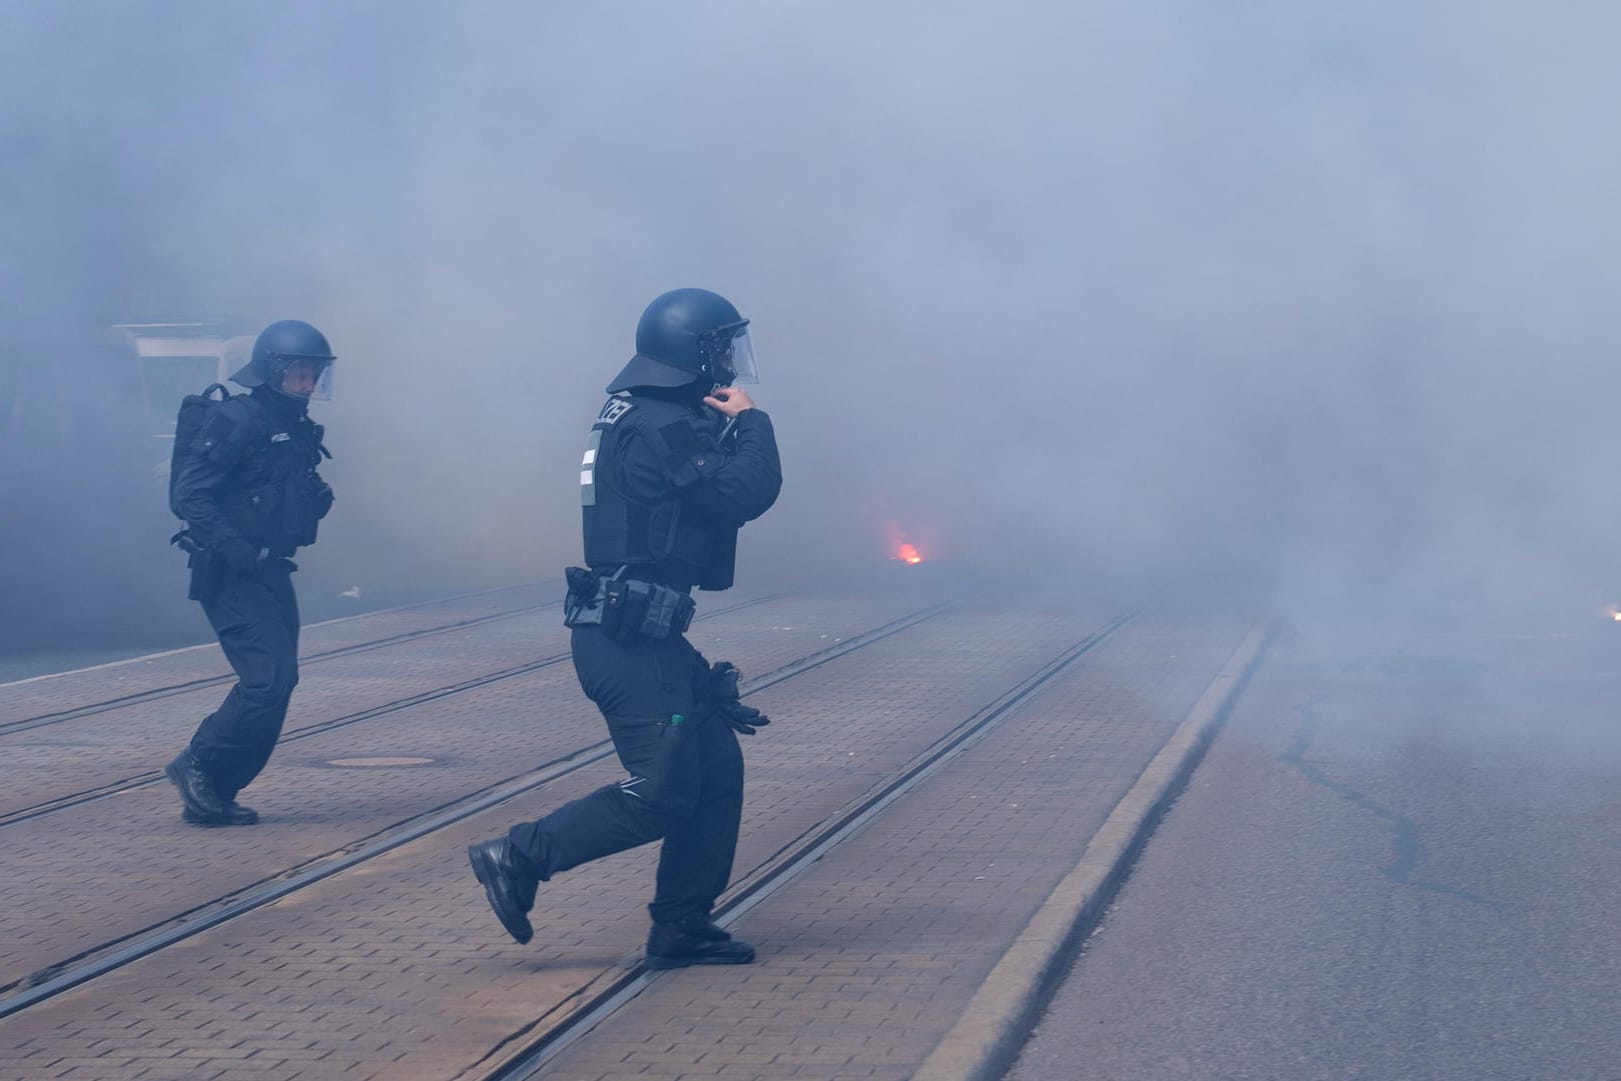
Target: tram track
{"points": [[528, 1052], [146, 778], [171, 690], [108, 956]]}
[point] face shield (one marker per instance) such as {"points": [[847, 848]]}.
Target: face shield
{"points": [[733, 357], [744, 367], [323, 385], [306, 379]]}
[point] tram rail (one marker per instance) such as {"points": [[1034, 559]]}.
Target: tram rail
{"points": [[149, 777], [170, 690], [109, 956], [528, 1052]]}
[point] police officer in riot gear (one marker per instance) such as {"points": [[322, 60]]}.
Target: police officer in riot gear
{"points": [[247, 488], [678, 460]]}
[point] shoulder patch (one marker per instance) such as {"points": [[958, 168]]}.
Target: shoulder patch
{"points": [[236, 429], [689, 455], [219, 427], [680, 438], [616, 408]]}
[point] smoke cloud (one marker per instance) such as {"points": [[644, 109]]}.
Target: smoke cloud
{"points": [[1302, 302]]}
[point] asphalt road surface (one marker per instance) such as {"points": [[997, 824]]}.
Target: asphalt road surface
{"points": [[1401, 858]]}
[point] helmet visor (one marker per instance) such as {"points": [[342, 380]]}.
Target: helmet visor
{"points": [[323, 385], [737, 362], [307, 378]]}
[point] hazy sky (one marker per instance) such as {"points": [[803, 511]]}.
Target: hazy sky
{"points": [[1309, 297]]}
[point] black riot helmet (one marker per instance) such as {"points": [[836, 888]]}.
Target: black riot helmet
{"points": [[280, 346], [689, 336]]}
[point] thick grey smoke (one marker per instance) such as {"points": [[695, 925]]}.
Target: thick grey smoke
{"points": [[1311, 301]]}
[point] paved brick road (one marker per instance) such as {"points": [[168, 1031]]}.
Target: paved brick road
{"points": [[396, 969], [868, 959], [93, 873], [78, 689]]}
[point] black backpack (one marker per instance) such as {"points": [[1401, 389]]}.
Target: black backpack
{"points": [[196, 410]]}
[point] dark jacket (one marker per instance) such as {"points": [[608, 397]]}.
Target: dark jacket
{"points": [[663, 492], [251, 476]]}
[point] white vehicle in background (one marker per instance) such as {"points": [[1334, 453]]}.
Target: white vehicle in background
{"points": [[177, 359]]}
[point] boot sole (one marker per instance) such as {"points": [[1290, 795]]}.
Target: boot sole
{"points": [[485, 873], [665, 963], [191, 817]]}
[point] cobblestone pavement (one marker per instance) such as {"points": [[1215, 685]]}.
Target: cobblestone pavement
{"points": [[86, 687], [395, 968], [868, 959], [82, 880], [107, 748]]}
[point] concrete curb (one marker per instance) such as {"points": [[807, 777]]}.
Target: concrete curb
{"points": [[987, 1037]]}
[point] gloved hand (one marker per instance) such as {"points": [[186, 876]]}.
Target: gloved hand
{"points": [[719, 692], [238, 556], [743, 719], [721, 683]]}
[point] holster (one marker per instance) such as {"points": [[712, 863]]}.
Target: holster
{"points": [[206, 573], [625, 608]]}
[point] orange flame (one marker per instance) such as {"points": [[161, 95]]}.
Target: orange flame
{"points": [[900, 548]]}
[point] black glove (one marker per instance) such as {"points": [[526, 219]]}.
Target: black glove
{"points": [[743, 719], [721, 683], [720, 693], [238, 556]]}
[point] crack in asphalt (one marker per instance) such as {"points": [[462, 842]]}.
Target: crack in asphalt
{"points": [[1407, 851]]}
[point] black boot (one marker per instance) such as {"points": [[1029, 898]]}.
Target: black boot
{"points": [[200, 803], [235, 814], [705, 928], [238, 815], [509, 884], [231, 813], [693, 943]]}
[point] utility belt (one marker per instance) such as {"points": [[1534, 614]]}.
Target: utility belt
{"points": [[625, 608], [209, 574]]}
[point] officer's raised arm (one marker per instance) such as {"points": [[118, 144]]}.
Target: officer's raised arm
{"points": [[739, 480]]}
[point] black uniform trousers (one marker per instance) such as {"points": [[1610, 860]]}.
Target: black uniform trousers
{"points": [[685, 782], [256, 618]]}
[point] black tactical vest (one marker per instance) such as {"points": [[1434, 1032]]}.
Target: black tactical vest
{"points": [[656, 531], [267, 499]]}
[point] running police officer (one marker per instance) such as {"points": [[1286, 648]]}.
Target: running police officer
{"points": [[678, 459], [246, 486]]}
